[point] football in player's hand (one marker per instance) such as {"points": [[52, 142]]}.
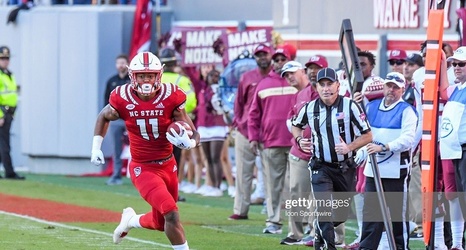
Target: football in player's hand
{"points": [[177, 127]]}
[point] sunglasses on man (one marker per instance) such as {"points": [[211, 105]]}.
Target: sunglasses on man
{"points": [[397, 62], [460, 64]]}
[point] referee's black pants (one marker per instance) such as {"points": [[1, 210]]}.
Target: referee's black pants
{"points": [[330, 184], [396, 196], [5, 147]]}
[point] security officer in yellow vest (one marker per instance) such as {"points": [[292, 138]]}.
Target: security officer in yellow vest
{"points": [[8, 101], [168, 58]]}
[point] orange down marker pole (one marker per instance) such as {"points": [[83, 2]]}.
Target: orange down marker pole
{"points": [[430, 121]]}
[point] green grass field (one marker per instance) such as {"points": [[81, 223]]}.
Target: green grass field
{"points": [[204, 219]]}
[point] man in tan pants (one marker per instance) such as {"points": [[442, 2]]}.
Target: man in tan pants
{"points": [[267, 129], [245, 158], [300, 181]]}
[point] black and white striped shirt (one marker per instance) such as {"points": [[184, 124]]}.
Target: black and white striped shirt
{"points": [[344, 118]]}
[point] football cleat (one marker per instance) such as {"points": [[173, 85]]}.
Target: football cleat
{"points": [[123, 228]]}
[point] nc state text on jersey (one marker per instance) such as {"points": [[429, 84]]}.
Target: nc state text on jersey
{"points": [[146, 113]]}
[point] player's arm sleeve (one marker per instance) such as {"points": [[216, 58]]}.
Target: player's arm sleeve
{"points": [[191, 100], [254, 118], [180, 99], [114, 104], [408, 128], [112, 99]]}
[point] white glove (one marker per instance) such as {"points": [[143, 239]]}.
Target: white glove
{"points": [[181, 140], [97, 157], [361, 155]]}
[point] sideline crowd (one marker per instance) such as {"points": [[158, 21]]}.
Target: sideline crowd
{"points": [[299, 133]]}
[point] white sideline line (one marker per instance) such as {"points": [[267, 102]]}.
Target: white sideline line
{"points": [[82, 229]]}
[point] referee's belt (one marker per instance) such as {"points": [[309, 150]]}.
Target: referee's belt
{"points": [[336, 165], [161, 161]]}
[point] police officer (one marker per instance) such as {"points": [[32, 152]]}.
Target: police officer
{"points": [[8, 101], [339, 127], [168, 57]]}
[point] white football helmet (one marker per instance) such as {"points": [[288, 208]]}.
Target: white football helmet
{"points": [[145, 62]]}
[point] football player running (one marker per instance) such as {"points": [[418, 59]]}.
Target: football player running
{"points": [[148, 107]]}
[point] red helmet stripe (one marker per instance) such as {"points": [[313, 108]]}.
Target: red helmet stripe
{"points": [[145, 58]]}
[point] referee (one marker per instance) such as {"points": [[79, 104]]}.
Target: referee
{"points": [[339, 127]]}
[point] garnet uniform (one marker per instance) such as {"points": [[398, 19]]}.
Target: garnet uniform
{"points": [[152, 167]]}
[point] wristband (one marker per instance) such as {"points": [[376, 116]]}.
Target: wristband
{"points": [[97, 142]]}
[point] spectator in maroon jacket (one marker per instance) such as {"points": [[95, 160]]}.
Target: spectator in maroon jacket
{"points": [[267, 131], [245, 158]]}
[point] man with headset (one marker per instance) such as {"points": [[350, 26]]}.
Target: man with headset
{"points": [[339, 127]]}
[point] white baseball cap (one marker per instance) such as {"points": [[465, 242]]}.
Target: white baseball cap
{"points": [[291, 66], [460, 54], [395, 78]]}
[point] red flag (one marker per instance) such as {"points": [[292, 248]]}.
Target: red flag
{"points": [[142, 27]]}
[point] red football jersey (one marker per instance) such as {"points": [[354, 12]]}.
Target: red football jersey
{"points": [[147, 121]]}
